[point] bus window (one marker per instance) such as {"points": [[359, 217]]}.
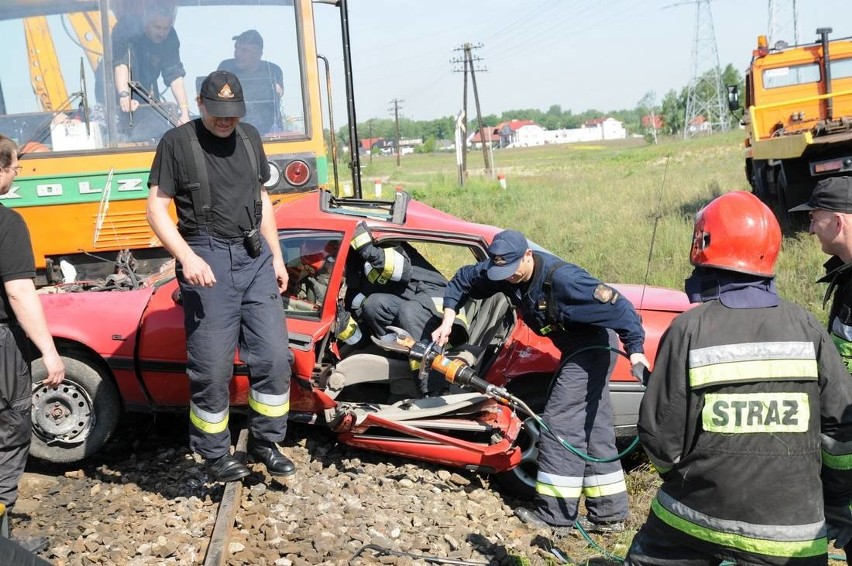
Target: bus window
{"points": [[88, 88], [58, 91]]}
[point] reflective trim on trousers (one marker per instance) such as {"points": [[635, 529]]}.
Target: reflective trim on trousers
{"points": [[211, 423], [771, 540], [563, 487], [269, 405], [602, 485]]}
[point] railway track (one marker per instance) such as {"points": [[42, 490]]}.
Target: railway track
{"points": [[217, 549]]}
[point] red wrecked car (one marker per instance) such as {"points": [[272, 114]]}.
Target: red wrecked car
{"points": [[124, 348]]}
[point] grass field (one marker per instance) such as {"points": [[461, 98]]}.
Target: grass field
{"points": [[599, 205], [604, 207]]}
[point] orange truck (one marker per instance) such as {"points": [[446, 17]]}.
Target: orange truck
{"points": [[798, 120]]}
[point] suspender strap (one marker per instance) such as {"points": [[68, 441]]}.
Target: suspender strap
{"points": [[258, 207], [199, 186], [547, 286]]}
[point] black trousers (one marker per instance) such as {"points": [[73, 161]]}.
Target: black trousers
{"points": [[15, 410]]}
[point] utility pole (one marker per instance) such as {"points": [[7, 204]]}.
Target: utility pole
{"points": [[468, 65], [396, 102], [705, 94], [485, 159], [783, 22], [370, 122]]}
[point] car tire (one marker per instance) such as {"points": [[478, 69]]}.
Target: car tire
{"points": [[75, 419], [520, 481]]}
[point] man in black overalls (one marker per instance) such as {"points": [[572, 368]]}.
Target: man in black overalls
{"points": [[22, 326], [231, 274]]}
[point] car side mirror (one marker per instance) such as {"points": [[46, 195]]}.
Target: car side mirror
{"points": [[733, 97]]}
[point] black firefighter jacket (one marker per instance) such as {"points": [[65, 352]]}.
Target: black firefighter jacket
{"points": [[745, 411]]}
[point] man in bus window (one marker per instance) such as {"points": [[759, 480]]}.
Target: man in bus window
{"points": [[263, 82], [143, 55]]}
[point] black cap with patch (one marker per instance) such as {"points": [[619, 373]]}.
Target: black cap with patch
{"points": [[222, 95], [833, 194]]}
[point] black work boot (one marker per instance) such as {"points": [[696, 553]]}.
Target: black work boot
{"points": [[227, 468], [33, 544], [277, 464]]}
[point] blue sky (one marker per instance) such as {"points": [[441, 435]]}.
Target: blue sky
{"points": [[580, 54]]}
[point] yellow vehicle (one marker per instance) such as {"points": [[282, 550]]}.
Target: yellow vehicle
{"points": [[85, 160], [798, 119]]}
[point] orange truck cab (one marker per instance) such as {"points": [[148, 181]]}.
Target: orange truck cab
{"points": [[798, 119]]}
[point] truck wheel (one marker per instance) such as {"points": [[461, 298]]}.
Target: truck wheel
{"points": [[75, 419]]}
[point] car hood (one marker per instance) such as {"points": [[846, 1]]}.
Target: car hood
{"points": [[106, 321]]}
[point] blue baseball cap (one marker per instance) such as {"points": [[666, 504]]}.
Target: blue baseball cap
{"points": [[505, 254]]}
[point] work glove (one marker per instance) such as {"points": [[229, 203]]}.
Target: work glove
{"points": [[348, 330], [639, 367], [641, 372], [838, 524], [361, 238]]}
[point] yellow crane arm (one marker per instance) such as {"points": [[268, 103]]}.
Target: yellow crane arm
{"points": [[45, 74], [87, 27]]}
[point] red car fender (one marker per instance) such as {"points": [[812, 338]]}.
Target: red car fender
{"points": [[110, 329]]}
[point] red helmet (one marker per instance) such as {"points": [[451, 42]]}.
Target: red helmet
{"points": [[736, 232], [314, 254]]}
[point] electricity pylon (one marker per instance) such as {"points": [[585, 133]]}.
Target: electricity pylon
{"points": [[705, 95]]}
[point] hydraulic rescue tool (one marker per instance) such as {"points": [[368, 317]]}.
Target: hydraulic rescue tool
{"points": [[456, 370]]}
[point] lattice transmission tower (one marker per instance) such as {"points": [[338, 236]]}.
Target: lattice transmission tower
{"points": [[706, 96], [783, 22]]}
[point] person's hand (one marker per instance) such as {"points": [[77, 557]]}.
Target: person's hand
{"points": [[639, 358], [196, 271], [361, 237], [640, 367], [838, 523], [441, 335], [281, 275], [127, 104], [55, 369]]}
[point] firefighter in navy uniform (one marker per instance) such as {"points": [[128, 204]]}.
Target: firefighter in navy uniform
{"points": [[562, 301], [746, 414], [231, 274]]}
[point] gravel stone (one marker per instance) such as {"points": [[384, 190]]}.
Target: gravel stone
{"points": [[145, 499]]}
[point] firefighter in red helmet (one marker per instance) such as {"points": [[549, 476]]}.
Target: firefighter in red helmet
{"points": [[748, 400]]}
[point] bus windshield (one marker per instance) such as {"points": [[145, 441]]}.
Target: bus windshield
{"points": [[88, 75]]}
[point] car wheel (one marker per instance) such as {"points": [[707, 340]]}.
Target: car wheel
{"points": [[520, 481], [75, 419]]}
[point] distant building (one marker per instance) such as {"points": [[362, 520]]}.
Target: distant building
{"points": [[700, 125], [652, 121], [526, 133]]}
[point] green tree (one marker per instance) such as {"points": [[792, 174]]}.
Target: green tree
{"points": [[673, 111]]}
